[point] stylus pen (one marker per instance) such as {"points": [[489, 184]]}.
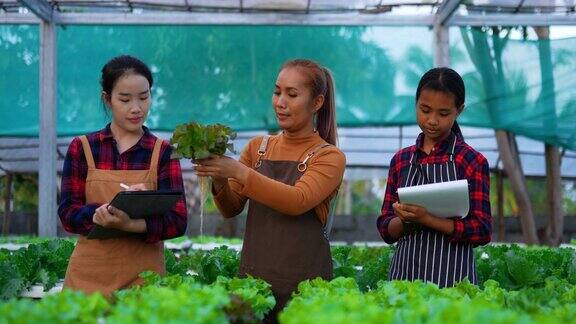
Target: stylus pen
{"points": [[125, 186]]}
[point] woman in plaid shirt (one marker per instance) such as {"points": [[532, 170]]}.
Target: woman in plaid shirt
{"points": [[96, 165], [431, 248]]}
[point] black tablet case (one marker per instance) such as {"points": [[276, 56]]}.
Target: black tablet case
{"points": [[137, 204]]}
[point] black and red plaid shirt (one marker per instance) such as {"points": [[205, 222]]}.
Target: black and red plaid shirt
{"points": [[76, 215], [476, 227]]}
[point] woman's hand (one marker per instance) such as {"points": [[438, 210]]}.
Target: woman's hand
{"points": [[221, 168], [137, 187], [411, 213], [419, 215], [109, 216]]}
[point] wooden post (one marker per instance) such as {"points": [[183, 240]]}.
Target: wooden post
{"points": [[347, 197], [500, 213], [515, 174], [7, 204]]}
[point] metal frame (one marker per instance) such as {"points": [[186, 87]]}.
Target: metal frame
{"points": [[47, 173], [24, 19], [182, 18], [446, 11], [321, 19], [441, 35], [40, 8], [514, 20]]}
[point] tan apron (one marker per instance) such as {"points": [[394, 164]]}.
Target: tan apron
{"points": [[108, 265], [283, 250]]}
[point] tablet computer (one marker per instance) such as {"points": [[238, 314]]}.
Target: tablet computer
{"points": [[138, 204], [146, 203]]}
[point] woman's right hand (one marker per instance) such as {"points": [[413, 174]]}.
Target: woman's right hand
{"points": [[104, 217], [137, 187], [223, 168], [109, 216]]}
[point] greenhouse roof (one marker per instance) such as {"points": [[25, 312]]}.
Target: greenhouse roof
{"points": [[299, 12]]}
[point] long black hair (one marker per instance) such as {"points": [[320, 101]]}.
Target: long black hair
{"points": [[445, 80]]}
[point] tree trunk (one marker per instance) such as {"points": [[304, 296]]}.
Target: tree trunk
{"points": [[555, 227], [516, 176]]}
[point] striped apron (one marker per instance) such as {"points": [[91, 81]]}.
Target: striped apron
{"points": [[425, 254]]}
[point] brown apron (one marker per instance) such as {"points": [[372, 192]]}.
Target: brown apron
{"points": [[108, 265], [283, 250]]}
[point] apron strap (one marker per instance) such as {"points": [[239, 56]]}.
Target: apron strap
{"points": [[261, 151], [154, 160], [453, 147], [302, 166], [413, 157], [330, 217], [87, 152]]}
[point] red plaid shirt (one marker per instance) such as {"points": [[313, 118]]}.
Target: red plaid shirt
{"points": [[476, 228], [76, 215]]}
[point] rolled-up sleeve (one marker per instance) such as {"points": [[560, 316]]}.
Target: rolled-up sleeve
{"points": [[390, 197], [174, 223], [476, 227], [75, 215]]}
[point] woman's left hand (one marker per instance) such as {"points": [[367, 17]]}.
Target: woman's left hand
{"points": [[137, 187], [111, 217], [411, 213], [222, 167]]}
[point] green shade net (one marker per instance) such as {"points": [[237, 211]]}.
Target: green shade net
{"points": [[19, 85], [529, 89], [226, 74]]}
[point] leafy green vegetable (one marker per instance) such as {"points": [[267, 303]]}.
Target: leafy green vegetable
{"points": [[43, 263], [206, 239], [366, 265], [64, 307], [249, 299], [11, 282], [341, 301], [220, 261], [171, 303], [256, 292], [515, 267], [29, 239], [196, 141]]}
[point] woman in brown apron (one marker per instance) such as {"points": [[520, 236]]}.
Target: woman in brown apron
{"points": [[289, 180], [96, 167]]}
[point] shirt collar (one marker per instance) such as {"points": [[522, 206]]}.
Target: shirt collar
{"points": [[445, 146], [147, 141]]}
